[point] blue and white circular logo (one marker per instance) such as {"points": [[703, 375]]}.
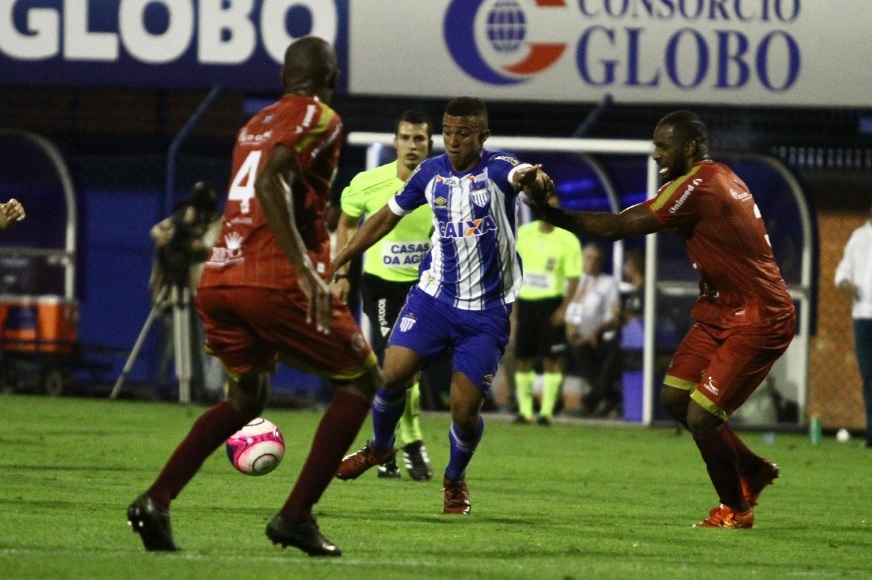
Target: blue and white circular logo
{"points": [[511, 58]]}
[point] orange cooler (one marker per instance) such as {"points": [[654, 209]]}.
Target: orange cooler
{"points": [[44, 324]]}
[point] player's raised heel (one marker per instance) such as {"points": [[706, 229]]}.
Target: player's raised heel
{"points": [[354, 465], [753, 486], [152, 523], [303, 535]]}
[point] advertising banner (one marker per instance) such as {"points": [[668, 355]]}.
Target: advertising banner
{"points": [[236, 44], [734, 52]]}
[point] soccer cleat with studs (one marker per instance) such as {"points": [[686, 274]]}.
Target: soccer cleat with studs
{"points": [[754, 485], [456, 496], [417, 461], [152, 523], [389, 469], [354, 465], [303, 535], [723, 516]]}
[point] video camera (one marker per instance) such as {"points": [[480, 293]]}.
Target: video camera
{"points": [[188, 224]]}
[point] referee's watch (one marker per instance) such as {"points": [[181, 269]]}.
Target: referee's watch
{"points": [[338, 277]]}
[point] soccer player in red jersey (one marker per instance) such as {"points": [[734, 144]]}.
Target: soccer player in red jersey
{"points": [[263, 298], [744, 315]]}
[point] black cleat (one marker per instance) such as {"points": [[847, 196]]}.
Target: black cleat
{"points": [[389, 469], [303, 535], [417, 461], [152, 523]]}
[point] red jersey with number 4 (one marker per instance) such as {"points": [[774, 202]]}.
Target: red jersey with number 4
{"points": [[247, 253], [726, 240]]}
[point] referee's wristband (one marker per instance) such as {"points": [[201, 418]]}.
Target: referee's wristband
{"points": [[338, 277]]}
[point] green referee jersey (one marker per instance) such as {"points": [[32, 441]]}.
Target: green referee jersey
{"points": [[548, 260], [395, 257]]}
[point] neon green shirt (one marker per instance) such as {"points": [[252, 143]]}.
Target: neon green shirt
{"points": [[549, 259], [395, 257]]}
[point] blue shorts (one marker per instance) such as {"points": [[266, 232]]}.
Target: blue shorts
{"points": [[476, 339]]}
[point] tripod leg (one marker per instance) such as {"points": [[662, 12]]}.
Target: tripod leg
{"points": [[182, 338], [158, 306]]}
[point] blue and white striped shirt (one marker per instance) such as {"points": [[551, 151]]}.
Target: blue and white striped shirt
{"points": [[473, 263]]}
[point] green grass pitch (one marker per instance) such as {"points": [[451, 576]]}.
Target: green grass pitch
{"points": [[569, 501]]}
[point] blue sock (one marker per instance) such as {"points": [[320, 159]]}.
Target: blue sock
{"points": [[387, 408], [462, 449]]}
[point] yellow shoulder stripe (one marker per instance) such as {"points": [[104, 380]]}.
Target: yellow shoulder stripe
{"points": [[670, 190], [324, 121]]}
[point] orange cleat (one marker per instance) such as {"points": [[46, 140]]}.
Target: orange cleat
{"points": [[723, 516], [753, 486], [456, 496], [354, 465]]}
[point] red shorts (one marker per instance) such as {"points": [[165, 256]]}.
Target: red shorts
{"points": [[724, 366], [251, 328]]}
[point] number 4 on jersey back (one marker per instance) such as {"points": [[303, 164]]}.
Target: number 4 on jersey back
{"points": [[242, 186]]}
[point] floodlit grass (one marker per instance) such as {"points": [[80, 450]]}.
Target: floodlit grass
{"points": [[574, 500]]}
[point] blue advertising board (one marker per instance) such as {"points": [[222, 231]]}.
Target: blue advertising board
{"points": [[235, 44]]}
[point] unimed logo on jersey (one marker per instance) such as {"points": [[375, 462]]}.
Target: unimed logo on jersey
{"points": [[467, 228], [690, 187], [507, 57]]}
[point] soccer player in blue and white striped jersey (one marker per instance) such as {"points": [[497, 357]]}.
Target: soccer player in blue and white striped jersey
{"points": [[468, 282]]}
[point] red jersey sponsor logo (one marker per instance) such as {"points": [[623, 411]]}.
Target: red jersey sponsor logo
{"points": [[680, 202]]}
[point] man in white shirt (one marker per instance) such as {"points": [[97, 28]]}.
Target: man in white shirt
{"points": [[591, 324], [854, 277]]}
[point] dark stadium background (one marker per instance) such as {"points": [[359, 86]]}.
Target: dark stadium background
{"points": [[115, 142]]}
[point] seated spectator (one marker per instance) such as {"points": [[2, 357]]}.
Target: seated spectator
{"points": [[592, 325]]}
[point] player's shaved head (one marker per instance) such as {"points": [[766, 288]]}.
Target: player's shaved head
{"points": [[686, 126], [468, 107], [310, 68]]}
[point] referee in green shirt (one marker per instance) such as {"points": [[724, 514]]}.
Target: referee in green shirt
{"points": [[551, 258], [390, 267]]}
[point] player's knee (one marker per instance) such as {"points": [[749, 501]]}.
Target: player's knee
{"points": [[248, 395], [701, 422], [396, 382], [367, 384], [466, 423], [465, 415], [675, 401]]}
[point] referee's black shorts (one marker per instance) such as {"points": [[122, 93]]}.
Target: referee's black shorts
{"points": [[382, 302], [534, 334]]}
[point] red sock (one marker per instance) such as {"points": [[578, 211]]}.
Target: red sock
{"points": [[207, 434], [749, 462], [335, 434], [721, 459]]}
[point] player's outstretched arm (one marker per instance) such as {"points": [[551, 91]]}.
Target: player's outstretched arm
{"points": [[633, 221], [373, 229], [276, 184], [534, 182]]}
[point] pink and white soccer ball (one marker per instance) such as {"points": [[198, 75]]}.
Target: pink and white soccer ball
{"points": [[257, 448]]}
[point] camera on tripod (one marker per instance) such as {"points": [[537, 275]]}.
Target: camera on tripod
{"points": [[180, 244], [187, 225]]}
